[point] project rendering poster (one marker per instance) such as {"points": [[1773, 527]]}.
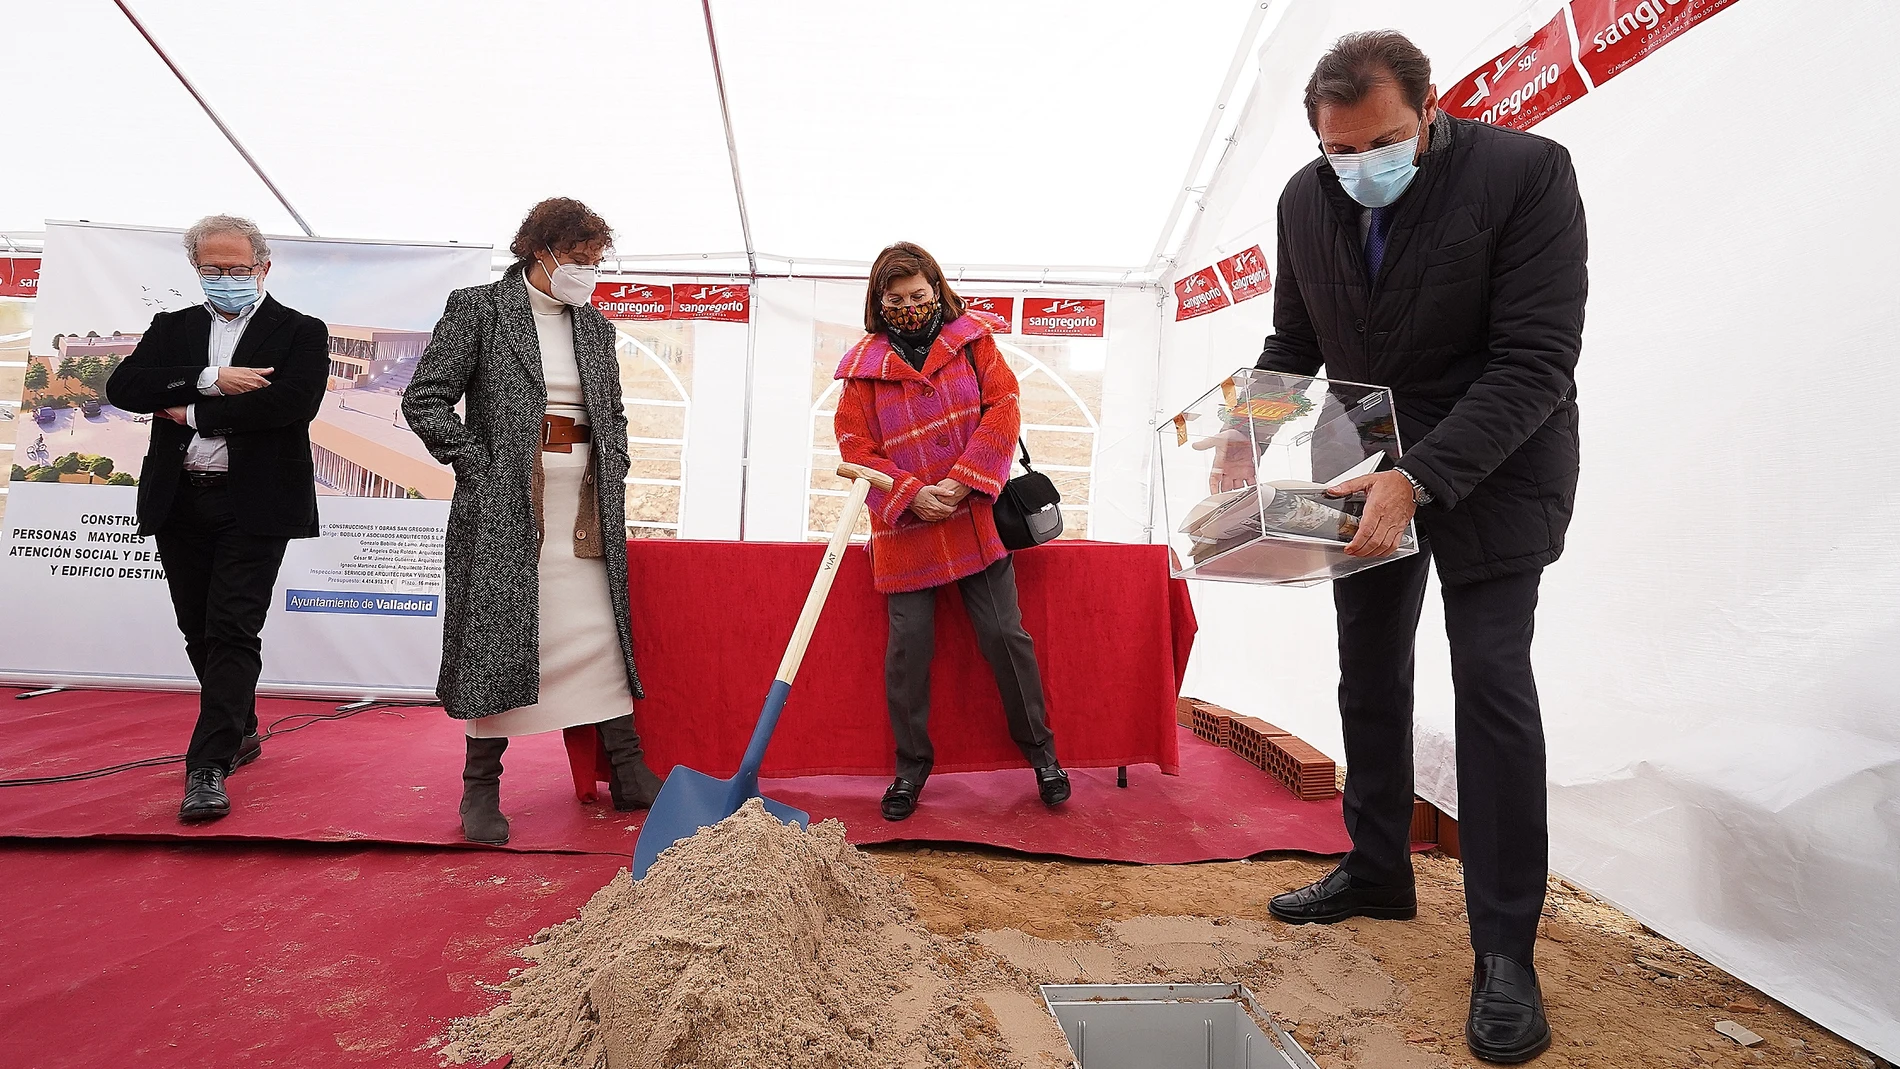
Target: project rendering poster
{"points": [[358, 610]]}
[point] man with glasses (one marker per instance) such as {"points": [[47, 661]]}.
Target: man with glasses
{"points": [[1444, 259], [233, 384]]}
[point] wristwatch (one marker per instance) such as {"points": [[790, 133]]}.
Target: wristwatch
{"points": [[1420, 495]]}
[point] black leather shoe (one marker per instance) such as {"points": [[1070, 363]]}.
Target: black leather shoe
{"points": [[1340, 896], [204, 795], [1053, 784], [249, 750], [1507, 1022], [900, 799]]}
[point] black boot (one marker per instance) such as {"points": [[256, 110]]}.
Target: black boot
{"points": [[1507, 1012], [482, 821], [1341, 895], [633, 786]]}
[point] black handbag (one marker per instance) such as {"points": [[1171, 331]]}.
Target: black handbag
{"points": [[1029, 510]]}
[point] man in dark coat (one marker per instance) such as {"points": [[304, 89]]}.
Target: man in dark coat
{"points": [[234, 383], [1445, 260]]}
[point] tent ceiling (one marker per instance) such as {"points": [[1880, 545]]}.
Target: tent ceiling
{"points": [[1024, 133]]}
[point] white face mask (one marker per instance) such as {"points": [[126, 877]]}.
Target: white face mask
{"points": [[1377, 178], [571, 284]]}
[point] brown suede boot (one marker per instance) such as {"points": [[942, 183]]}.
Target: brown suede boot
{"points": [[482, 821], [633, 786]]}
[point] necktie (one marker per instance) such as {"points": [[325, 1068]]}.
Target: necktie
{"points": [[1375, 240]]}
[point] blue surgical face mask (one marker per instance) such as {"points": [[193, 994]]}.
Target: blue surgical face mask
{"points": [[1377, 178], [229, 295]]}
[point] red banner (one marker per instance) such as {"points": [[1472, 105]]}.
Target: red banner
{"points": [[1615, 34], [720, 304], [1064, 318], [633, 300], [19, 276], [1198, 294], [1003, 308], [1246, 274], [1523, 86]]}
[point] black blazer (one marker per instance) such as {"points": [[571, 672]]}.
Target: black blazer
{"points": [[267, 431]]}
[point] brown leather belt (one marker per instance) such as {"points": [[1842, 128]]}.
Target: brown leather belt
{"points": [[560, 433]]}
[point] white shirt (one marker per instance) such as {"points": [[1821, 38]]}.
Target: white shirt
{"points": [[211, 454]]}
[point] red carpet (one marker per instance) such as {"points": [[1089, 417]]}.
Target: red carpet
{"points": [[394, 776], [226, 955]]}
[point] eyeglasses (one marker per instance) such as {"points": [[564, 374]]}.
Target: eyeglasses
{"points": [[893, 300], [240, 271]]}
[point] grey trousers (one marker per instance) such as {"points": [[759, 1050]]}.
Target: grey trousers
{"points": [[989, 597]]}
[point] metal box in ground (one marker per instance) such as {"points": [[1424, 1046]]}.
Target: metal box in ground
{"points": [[1170, 1026], [1244, 473]]}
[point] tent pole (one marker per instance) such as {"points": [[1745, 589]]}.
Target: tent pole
{"points": [[1248, 38], [223, 129], [732, 145], [751, 260]]}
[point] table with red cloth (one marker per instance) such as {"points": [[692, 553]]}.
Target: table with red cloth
{"points": [[711, 621]]}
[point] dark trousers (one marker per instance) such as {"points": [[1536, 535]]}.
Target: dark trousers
{"points": [[1502, 827], [989, 597], [221, 580]]}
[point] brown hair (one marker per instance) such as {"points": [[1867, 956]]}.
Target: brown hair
{"points": [[903, 260], [1360, 62], [560, 224]]}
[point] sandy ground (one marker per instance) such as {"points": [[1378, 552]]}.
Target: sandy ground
{"points": [[1363, 994]]}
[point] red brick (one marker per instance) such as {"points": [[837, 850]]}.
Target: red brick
{"points": [[1184, 711], [1261, 726], [1212, 723], [1448, 836], [1424, 821], [1248, 737], [1305, 771]]}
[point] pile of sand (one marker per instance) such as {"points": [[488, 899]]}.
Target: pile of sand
{"points": [[753, 943]]}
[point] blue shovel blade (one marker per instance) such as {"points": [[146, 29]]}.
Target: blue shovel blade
{"points": [[692, 800]]}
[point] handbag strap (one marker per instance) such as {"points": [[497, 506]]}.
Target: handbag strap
{"points": [[1022, 445]]}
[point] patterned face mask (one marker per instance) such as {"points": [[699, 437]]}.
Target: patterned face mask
{"points": [[909, 318]]}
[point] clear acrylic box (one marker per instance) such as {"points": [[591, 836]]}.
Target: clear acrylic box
{"points": [[1244, 471]]}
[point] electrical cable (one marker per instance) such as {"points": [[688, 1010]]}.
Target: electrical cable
{"points": [[171, 759]]}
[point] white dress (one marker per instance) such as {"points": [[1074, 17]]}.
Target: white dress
{"points": [[583, 677]]}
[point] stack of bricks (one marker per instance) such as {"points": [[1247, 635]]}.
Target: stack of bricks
{"points": [[1305, 771], [1248, 737]]}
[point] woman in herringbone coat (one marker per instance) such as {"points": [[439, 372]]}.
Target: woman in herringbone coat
{"points": [[928, 401], [535, 629]]}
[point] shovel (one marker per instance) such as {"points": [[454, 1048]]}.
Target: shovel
{"points": [[691, 800]]}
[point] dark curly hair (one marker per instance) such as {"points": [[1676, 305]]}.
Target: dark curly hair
{"points": [[561, 224]]}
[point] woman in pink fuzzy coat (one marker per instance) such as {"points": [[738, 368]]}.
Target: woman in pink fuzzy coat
{"points": [[929, 401]]}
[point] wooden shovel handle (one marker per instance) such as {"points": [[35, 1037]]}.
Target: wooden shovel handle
{"points": [[875, 478], [821, 585]]}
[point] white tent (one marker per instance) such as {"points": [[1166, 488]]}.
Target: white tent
{"points": [[1725, 762]]}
